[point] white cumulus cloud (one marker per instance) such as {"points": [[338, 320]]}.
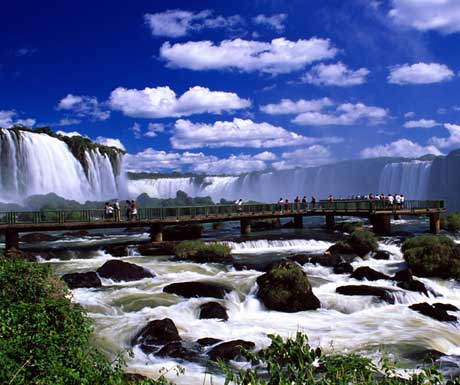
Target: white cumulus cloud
{"points": [[111, 142], [275, 22], [401, 148], [83, 107], [422, 123], [452, 140], [9, 118], [288, 106], [162, 102], [275, 57], [236, 133], [426, 15], [420, 73], [154, 129], [315, 155], [335, 75]]}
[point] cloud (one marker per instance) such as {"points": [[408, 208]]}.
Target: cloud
{"points": [[400, 148], [409, 114], [70, 134], [8, 118], [233, 165], [422, 123], [154, 129], [83, 107], [136, 129], [345, 115], [236, 133], [162, 102], [452, 140], [420, 73], [426, 15], [335, 75], [306, 157], [275, 57], [68, 122], [288, 106], [111, 142], [275, 22], [178, 23]]}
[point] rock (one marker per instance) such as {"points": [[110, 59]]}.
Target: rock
{"points": [[365, 272], [77, 234], [267, 224], [13, 252], [206, 341], [123, 271], [197, 289], [381, 254], [182, 232], [340, 247], [361, 242], [38, 237], [177, 350], [229, 350], [407, 282], [285, 287], [80, 280], [343, 268], [427, 356], [301, 259], [438, 313], [116, 250], [445, 306], [249, 266], [150, 249], [213, 310], [382, 293], [326, 259], [403, 276], [156, 332]]}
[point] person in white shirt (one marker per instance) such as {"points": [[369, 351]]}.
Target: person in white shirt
{"points": [[402, 201], [390, 199]]}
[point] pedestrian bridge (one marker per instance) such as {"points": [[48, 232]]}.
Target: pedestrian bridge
{"points": [[378, 212]]}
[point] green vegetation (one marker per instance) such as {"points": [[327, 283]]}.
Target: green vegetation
{"points": [[44, 336], [295, 362], [429, 255], [181, 199], [203, 252], [360, 242], [451, 222]]}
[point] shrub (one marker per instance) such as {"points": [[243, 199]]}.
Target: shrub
{"points": [[203, 252], [44, 336], [363, 242], [429, 255], [451, 222]]}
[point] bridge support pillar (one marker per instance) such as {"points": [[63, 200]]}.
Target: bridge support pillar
{"points": [[11, 239], [298, 221], [156, 232], [245, 227], [330, 221], [435, 223], [381, 224]]}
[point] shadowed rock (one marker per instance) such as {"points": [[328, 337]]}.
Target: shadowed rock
{"points": [[155, 333], [206, 341], [123, 271], [197, 289], [213, 310], [229, 350], [177, 350], [365, 272], [82, 280], [343, 268], [382, 293], [381, 254], [436, 311]]}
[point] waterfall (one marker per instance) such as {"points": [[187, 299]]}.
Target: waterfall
{"points": [[33, 163], [408, 178]]}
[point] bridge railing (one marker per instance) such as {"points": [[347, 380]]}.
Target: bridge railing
{"points": [[217, 211]]}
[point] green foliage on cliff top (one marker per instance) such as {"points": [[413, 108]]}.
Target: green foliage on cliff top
{"points": [[431, 255], [44, 336], [451, 222], [201, 252]]}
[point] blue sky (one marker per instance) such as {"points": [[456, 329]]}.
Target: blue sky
{"points": [[220, 87]]}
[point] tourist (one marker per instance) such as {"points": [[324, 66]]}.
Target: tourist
{"points": [[402, 201], [117, 210], [304, 202], [297, 202], [128, 210], [330, 198], [398, 201], [286, 204], [390, 200], [280, 204], [240, 205], [108, 211], [133, 210], [313, 202]]}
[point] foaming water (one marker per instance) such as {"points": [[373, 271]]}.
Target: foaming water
{"points": [[264, 246]]}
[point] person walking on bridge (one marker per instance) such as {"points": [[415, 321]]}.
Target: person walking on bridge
{"points": [[133, 210], [128, 210], [117, 211]]}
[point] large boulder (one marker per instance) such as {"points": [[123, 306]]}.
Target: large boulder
{"points": [[360, 242], [343, 268], [432, 256], [197, 289], [326, 259], [285, 287], [207, 341], [365, 272], [116, 250], [211, 310], [82, 280], [381, 254], [156, 333], [182, 232], [154, 250], [38, 237], [407, 282], [382, 293], [123, 271], [437, 311], [177, 350], [229, 350]]}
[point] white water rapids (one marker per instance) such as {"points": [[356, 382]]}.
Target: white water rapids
{"points": [[361, 324]]}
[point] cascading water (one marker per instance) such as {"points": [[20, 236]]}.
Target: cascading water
{"points": [[33, 163], [408, 178]]}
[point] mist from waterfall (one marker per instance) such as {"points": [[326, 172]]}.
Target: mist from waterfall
{"points": [[33, 163]]}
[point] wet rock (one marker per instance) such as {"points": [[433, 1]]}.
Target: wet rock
{"points": [[438, 313], [197, 289], [229, 350], [407, 282], [123, 271], [360, 242], [182, 232], [76, 234], [343, 268], [213, 310], [340, 247], [155, 333], [382, 293], [150, 249], [428, 355], [207, 341], [249, 266], [301, 259], [326, 259], [177, 350], [285, 287], [445, 306], [116, 250], [80, 280], [365, 272], [403, 276], [381, 254], [38, 237]]}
